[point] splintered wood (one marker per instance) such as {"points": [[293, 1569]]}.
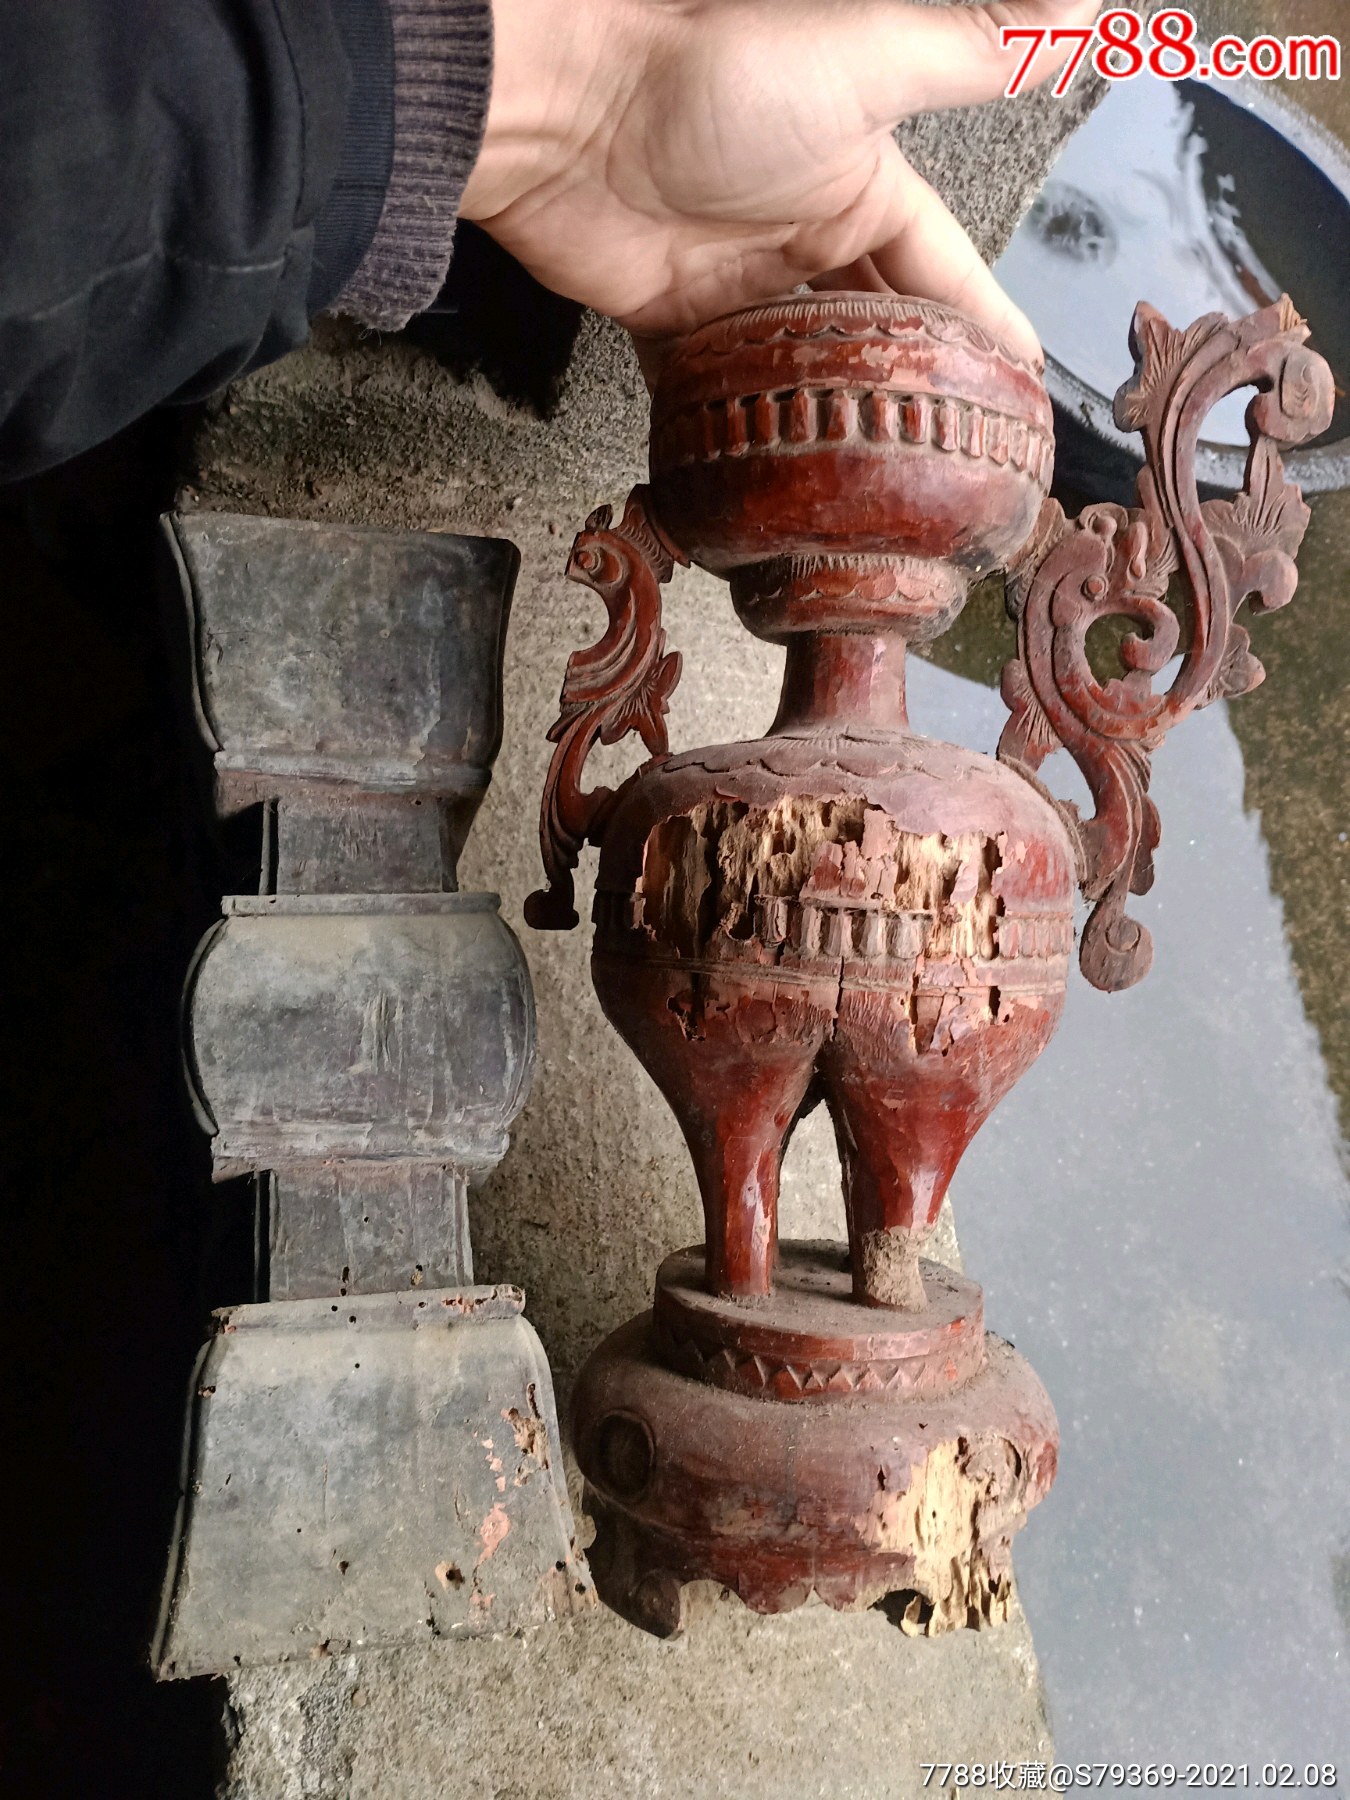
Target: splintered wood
{"points": [[704, 872], [950, 1520]]}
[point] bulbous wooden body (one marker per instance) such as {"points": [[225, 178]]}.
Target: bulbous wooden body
{"points": [[881, 921], [842, 909]]}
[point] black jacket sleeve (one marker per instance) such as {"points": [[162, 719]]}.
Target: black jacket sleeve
{"points": [[183, 185]]}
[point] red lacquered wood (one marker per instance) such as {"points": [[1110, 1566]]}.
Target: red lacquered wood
{"points": [[845, 912]]}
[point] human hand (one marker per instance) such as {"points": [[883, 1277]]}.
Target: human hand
{"points": [[668, 160]]}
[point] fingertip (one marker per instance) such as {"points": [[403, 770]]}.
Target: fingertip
{"points": [[991, 306], [1017, 331]]}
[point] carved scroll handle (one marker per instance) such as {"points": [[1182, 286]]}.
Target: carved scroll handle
{"points": [[622, 683], [1114, 563]]}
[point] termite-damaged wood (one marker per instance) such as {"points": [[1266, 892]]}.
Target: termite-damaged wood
{"points": [[844, 911], [724, 869], [371, 1453], [853, 1493], [378, 1475]]}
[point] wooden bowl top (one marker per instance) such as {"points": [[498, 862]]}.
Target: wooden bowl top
{"points": [[849, 424]]}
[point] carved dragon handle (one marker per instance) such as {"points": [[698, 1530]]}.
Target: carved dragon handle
{"points": [[1118, 562], [622, 683]]}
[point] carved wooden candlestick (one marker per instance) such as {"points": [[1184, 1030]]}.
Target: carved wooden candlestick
{"points": [[844, 910]]}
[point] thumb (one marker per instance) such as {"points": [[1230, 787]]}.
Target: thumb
{"points": [[907, 59], [921, 249]]}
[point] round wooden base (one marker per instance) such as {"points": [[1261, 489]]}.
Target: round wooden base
{"points": [[906, 1478], [810, 1339]]}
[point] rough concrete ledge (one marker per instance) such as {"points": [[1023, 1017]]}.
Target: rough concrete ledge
{"points": [[804, 1705]]}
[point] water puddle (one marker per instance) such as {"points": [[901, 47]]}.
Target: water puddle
{"points": [[1158, 1213], [1176, 1268], [1188, 197]]}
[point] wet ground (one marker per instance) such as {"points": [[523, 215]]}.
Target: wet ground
{"points": [[1161, 1213], [1159, 1216]]}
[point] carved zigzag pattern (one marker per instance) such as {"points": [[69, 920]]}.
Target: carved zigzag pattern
{"points": [[724, 1367]]}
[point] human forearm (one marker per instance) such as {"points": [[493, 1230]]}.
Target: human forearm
{"points": [[442, 76], [164, 173]]}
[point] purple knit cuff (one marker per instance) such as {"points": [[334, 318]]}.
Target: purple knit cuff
{"points": [[442, 84]]}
